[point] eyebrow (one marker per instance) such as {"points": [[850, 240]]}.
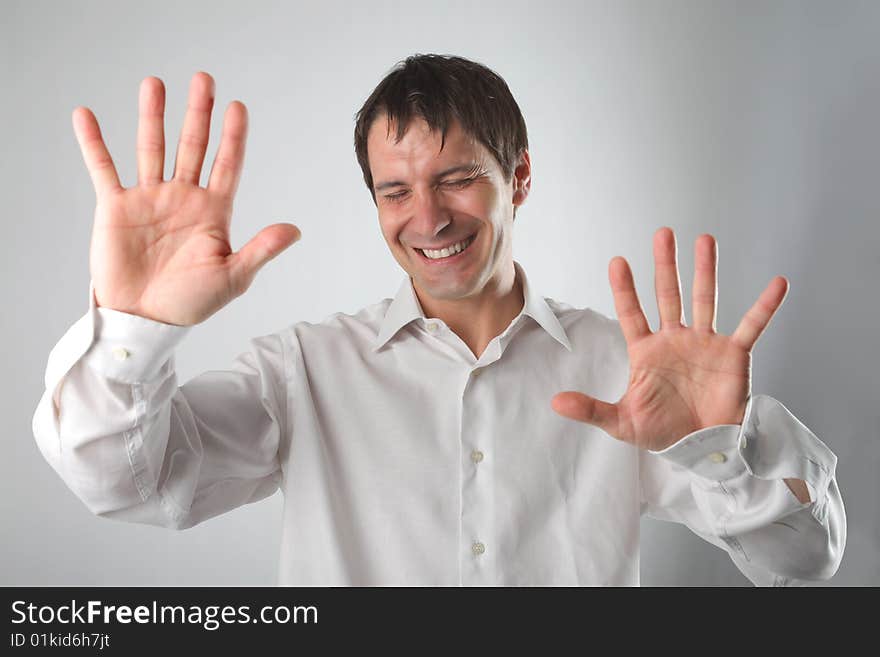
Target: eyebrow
{"points": [[459, 168]]}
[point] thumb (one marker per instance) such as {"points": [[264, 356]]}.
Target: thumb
{"points": [[261, 248], [577, 406]]}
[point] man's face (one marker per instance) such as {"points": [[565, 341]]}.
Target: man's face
{"points": [[430, 199]]}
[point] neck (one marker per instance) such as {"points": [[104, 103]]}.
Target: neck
{"points": [[478, 319]]}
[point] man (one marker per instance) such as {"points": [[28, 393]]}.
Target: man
{"points": [[455, 435]]}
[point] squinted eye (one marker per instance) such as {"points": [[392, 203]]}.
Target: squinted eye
{"points": [[453, 184], [394, 198]]}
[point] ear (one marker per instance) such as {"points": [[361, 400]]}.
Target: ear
{"points": [[522, 179]]}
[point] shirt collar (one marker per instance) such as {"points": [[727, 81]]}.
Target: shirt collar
{"points": [[405, 307]]}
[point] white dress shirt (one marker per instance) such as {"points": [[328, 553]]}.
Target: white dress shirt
{"points": [[405, 460]]}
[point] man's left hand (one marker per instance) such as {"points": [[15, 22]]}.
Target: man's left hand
{"points": [[682, 378]]}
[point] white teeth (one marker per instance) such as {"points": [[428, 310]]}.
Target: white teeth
{"points": [[448, 251]]}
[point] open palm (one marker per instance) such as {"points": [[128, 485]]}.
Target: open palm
{"points": [[682, 378], [161, 249]]}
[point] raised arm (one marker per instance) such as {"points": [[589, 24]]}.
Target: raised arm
{"points": [[729, 464], [112, 421]]}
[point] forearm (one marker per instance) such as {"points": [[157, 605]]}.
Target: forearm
{"points": [[766, 488], [781, 539], [104, 420], [799, 488], [135, 446]]}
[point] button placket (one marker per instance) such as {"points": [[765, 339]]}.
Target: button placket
{"points": [[477, 495]]}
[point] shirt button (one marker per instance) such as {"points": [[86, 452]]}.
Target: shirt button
{"points": [[476, 456], [717, 457], [432, 327], [120, 353], [478, 548], [744, 442], [476, 372]]}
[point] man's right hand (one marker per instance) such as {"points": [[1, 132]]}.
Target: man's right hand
{"points": [[161, 249]]}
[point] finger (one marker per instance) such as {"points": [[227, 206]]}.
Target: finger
{"points": [[667, 283], [196, 129], [759, 315], [151, 132], [705, 290], [583, 408], [226, 170], [626, 302], [94, 152], [264, 246]]}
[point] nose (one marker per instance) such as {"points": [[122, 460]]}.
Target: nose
{"points": [[430, 215]]}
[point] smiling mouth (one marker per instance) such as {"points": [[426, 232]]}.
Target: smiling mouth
{"points": [[443, 255]]}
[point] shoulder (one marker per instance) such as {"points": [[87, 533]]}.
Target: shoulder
{"points": [[585, 321], [588, 329], [277, 353], [341, 328]]}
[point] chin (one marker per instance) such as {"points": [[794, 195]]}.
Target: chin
{"points": [[445, 294], [449, 291]]}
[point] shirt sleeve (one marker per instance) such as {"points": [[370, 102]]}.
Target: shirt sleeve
{"points": [[135, 446], [726, 483]]}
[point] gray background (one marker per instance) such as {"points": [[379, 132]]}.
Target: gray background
{"points": [[755, 121]]}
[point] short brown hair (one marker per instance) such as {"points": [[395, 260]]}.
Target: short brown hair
{"points": [[440, 88]]}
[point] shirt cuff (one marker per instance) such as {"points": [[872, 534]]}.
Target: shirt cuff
{"points": [[771, 443], [129, 348], [712, 452]]}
